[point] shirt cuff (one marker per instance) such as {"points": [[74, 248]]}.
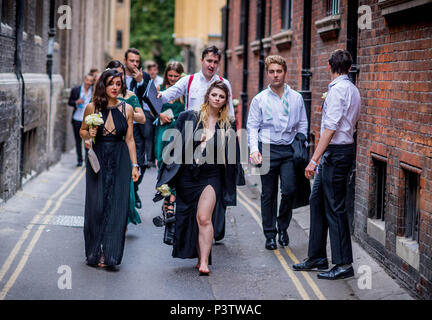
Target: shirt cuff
{"points": [[330, 126]]}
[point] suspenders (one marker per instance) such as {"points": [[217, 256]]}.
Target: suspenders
{"points": [[188, 88]]}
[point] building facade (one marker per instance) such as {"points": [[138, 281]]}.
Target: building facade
{"points": [[46, 47], [197, 24], [391, 45]]}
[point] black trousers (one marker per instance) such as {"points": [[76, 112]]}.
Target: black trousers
{"points": [[138, 133], [328, 210], [149, 136], [76, 125], [281, 165]]}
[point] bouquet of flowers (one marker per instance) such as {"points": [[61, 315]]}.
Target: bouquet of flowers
{"points": [[94, 120]]}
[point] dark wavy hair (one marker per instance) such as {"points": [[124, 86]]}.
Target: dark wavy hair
{"points": [[114, 64], [100, 98]]}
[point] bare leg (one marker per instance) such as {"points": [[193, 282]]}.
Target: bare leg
{"points": [[206, 205]]}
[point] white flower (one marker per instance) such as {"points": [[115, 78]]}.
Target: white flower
{"points": [[235, 102], [324, 95]]}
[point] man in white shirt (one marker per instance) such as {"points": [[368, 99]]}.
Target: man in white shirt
{"points": [[79, 98], [334, 157], [276, 116], [194, 87]]}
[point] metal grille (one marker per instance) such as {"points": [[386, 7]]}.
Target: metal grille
{"points": [[332, 7]]}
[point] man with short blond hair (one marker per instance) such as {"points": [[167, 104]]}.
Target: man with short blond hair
{"points": [[277, 117]]}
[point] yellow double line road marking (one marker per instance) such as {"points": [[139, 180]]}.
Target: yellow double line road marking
{"points": [[247, 203], [70, 185]]}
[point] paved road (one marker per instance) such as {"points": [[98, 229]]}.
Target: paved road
{"points": [[42, 253]]}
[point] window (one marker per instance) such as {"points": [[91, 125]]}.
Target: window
{"points": [[7, 13], [380, 175], [286, 14], [29, 151], [332, 7], [411, 205], [119, 39]]}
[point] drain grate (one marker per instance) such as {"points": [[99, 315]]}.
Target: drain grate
{"points": [[68, 221]]}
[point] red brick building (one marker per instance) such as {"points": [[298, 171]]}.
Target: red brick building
{"points": [[391, 44]]}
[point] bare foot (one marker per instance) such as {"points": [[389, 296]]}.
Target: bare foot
{"points": [[204, 270]]}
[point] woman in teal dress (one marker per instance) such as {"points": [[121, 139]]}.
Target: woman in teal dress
{"points": [[130, 98], [167, 120]]}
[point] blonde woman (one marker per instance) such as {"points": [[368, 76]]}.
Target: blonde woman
{"points": [[207, 185]]}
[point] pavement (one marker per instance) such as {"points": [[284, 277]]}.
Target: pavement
{"points": [[42, 253], [380, 286]]}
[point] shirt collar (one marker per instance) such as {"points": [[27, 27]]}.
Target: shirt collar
{"points": [[201, 74], [338, 79], [286, 89]]}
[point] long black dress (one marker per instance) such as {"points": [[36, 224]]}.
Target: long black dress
{"points": [[190, 183], [107, 192]]}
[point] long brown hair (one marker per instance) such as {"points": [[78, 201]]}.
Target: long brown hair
{"points": [[100, 98], [173, 65], [224, 116]]}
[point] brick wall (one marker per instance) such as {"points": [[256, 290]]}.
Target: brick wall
{"points": [[395, 59], [395, 83]]}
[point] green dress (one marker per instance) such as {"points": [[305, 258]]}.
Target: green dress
{"points": [[133, 213], [177, 107]]}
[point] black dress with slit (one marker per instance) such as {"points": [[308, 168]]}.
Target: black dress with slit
{"points": [[108, 191], [190, 182], [190, 178]]}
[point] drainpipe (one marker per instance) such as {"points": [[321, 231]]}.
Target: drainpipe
{"points": [[261, 15], [49, 69], [306, 73], [244, 94], [352, 34], [226, 38], [19, 28]]}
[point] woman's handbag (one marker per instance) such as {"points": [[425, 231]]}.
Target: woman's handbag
{"points": [[93, 159]]}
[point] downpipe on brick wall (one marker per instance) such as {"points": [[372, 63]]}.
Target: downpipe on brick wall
{"points": [[49, 68], [18, 71]]}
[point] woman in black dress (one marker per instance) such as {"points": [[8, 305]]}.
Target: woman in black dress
{"points": [[207, 178], [107, 192]]}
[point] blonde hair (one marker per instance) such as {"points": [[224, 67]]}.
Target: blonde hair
{"points": [[224, 118], [275, 59]]}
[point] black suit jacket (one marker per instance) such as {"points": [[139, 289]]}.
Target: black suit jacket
{"points": [[301, 159], [139, 90], [73, 97]]}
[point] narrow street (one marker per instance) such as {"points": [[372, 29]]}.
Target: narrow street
{"points": [[42, 242]]}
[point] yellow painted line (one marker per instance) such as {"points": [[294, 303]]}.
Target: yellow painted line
{"points": [[25, 234], [292, 256], [35, 239], [309, 280], [296, 281], [282, 261]]}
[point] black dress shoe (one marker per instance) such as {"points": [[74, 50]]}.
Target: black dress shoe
{"points": [[271, 244], [283, 238], [138, 204], [337, 272], [311, 264], [79, 164]]}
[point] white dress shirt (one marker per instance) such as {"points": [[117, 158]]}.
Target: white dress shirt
{"points": [[276, 120], [197, 91], [78, 115], [341, 110]]}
